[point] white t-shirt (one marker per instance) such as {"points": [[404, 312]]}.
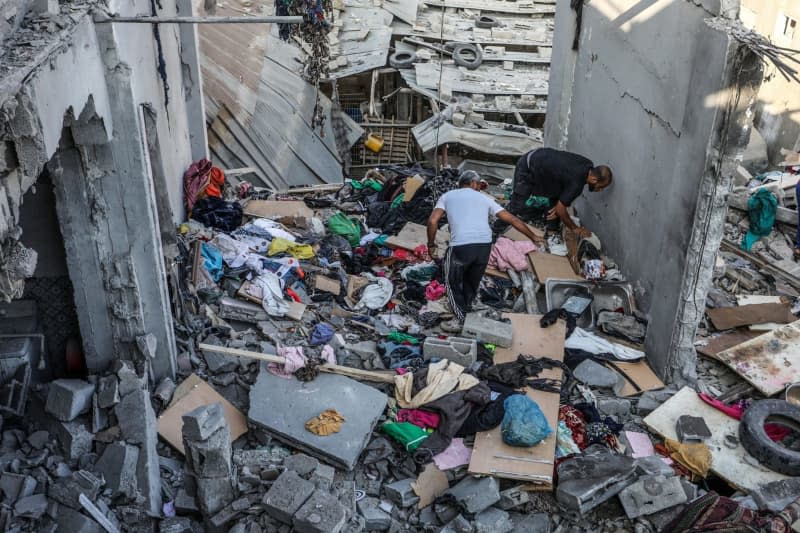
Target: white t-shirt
{"points": [[468, 216]]}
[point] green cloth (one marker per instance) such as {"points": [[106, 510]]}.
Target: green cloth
{"points": [[380, 241], [537, 202], [397, 201], [398, 337], [761, 207], [369, 182], [349, 228], [406, 433]]}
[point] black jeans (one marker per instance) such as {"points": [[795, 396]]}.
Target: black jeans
{"points": [[464, 267]]}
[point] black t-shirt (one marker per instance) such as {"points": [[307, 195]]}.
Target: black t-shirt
{"points": [[557, 174]]}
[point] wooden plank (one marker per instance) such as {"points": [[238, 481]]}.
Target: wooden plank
{"points": [[745, 315], [496, 273], [276, 209], [551, 266], [197, 393], [641, 374], [490, 454], [727, 340], [734, 465], [747, 299], [728, 246], [368, 375], [770, 361]]}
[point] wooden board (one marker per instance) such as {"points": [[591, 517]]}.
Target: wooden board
{"points": [[323, 283], [745, 315], [529, 338], [728, 463], [550, 266], [276, 209], [194, 392], [641, 374], [496, 273], [516, 235], [747, 299], [413, 235], [725, 341], [770, 361]]}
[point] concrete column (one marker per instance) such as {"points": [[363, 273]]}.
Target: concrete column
{"points": [[193, 83]]}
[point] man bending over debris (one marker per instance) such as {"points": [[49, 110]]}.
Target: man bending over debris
{"points": [[547, 181], [468, 212]]}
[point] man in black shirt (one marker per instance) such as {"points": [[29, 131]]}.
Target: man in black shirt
{"points": [[547, 181]]}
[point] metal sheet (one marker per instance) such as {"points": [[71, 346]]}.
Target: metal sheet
{"points": [[493, 140], [362, 39], [405, 10]]}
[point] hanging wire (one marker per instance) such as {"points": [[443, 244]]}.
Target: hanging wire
{"points": [[439, 91]]}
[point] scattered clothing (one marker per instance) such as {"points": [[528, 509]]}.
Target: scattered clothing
{"points": [[375, 295], [295, 360], [565, 443], [426, 385], [775, 432], [516, 373], [694, 456], [419, 272], [267, 287], [622, 325], [453, 456], [761, 207], [217, 213], [434, 290], [589, 342], [212, 260], [326, 423], [298, 251], [419, 417], [406, 433], [511, 255], [712, 512], [321, 334]]}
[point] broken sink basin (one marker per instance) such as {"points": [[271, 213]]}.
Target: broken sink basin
{"points": [[282, 406], [608, 296]]}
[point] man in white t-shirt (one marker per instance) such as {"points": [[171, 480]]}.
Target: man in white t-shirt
{"points": [[468, 211]]}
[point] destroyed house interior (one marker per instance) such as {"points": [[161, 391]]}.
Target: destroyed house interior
{"points": [[457, 266]]}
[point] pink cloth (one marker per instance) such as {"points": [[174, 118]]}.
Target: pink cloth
{"points": [[454, 455], [434, 290], [775, 432], [418, 417], [295, 360], [511, 255]]}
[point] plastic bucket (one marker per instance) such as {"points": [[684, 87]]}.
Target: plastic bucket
{"points": [[374, 142]]}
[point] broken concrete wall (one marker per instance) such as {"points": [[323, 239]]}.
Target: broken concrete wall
{"points": [[79, 104], [645, 93]]}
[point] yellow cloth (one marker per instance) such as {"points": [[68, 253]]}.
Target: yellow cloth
{"points": [[443, 378], [696, 456], [298, 251], [325, 423], [411, 186]]}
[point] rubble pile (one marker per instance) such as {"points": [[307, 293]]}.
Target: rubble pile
{"points": [[323, 387]]}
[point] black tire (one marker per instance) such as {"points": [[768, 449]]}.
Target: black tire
{"points": [[754, 439], [468, 55], [402, 59], [485, 21]]}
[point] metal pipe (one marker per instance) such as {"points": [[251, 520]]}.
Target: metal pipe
{"points": [[103, 19]]}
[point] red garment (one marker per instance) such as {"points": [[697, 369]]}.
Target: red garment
{"points": [[774, 431], [195, 180], [576, 422], [434, 290], [402, 255], [217, 180], [418, 417]]}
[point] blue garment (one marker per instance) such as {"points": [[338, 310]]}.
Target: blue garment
{"points": [[212, 260], [322, 333]]}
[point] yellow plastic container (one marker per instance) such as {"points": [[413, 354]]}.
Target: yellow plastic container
{"points": [[374, 142]]}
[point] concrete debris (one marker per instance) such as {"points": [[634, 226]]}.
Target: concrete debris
{"points": [[68, 398], [321, 513], [590, 479], [287, 495], [475, 494], [487, 330], [651, 494]]}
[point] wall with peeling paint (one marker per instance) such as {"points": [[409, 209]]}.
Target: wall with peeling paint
{"points": [[642, 94]]}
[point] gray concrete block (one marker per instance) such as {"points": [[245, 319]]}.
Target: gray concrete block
{"points": [[692, 429], [401, 493], [459, 524], [16, 486], [301, 463], [74, 438], [775, 496], [487, 330], [33, 506], [287, 495], [321, 513], [375, 518], [211, 457], [38, 439], [117, 465], [652, 465], [282, 406], [619, 407], [531, 523], [214, 493], [513, 497], [200, 423], [129, 380], [137, 422], [75, 522], [68, 398], [475, 494], [592, 478], [492, 520], [175, 524], [67, 490], [322, 476], [185, 503], [457, 349], [108, 392], [651, 494]]}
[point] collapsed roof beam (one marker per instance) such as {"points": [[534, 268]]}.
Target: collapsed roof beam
{"points": [[103, 18]]}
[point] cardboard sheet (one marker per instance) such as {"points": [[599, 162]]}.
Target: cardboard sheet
{"points": [[322, 283], [746, 299], [429, 485], [725, 341], [497, 273], [728, 463], [413, 235], [192, 393], [549, 266], [276, 209], [490, 455], [641, 374], [514, 235], [770, 361], [745, 315]]}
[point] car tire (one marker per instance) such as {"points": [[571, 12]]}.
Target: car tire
{"points": [[485, 21], [467, 55], [402, 59], [754, 438]]}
